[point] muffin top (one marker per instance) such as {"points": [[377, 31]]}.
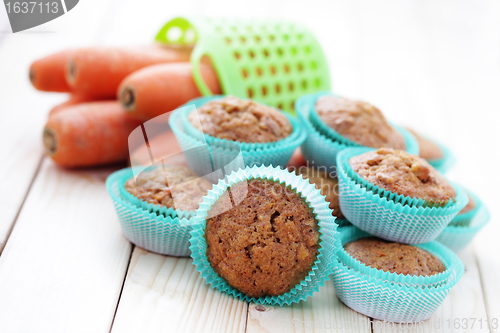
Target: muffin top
{"points": [[267, 243], [242, 120], [403, 173], [328, 186], [470, 205], [428, 149], [358, 121], [394, 257], [164, 184]]}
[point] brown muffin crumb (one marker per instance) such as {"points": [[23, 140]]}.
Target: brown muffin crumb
{"points": [[428, 149], [160, 184], [470, 206], [327, 185], [394, 257], [267, 243], [242, 120], [403, 173], [359, 121]]}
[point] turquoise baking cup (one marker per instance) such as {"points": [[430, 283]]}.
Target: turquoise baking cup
{"points": [[225, 151], [154, 232], [343, 222], [329, 240], [464, 227], [446, 162], [191, 130], [389, 296], [389, 215], [321, 148], [150, 207]]}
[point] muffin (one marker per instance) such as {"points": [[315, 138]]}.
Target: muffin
{"points": [[242, 120], [394, 257], [470, 205], [327, 185], [358, 121], [405, 174], [267, 243], [172, 186], [428, 149]]}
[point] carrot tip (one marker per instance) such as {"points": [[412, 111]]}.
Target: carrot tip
{"points": [[49, 141], [127, 98], [71, 71], [32, 76]]}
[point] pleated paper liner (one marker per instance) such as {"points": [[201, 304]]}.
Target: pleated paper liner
{"points": [[322, 146], [329, 241], [446, 162], [227, 151], [388, 215], [389, 296], [194, 132], [154, 232], [464, 227], [150, 207]]}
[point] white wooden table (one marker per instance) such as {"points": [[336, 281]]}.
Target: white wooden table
{"points": [[65, 266]]}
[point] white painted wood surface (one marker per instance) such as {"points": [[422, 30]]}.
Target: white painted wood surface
{"points": [[433, 65], [63, 267]]}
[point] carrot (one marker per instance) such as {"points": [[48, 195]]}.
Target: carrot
{"points": [[297, 160], [157, 89], [48, 73], [98, 71], [89, 134], [165, 147], [73, 99]]}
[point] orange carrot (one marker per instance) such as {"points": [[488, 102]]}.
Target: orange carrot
{"points": [[73, 99], [165, 147], [157, 89], [98, 71], [89, 134], [48, 73]]}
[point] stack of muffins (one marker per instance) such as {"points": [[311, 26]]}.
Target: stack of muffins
{"points": [[366, 207]]}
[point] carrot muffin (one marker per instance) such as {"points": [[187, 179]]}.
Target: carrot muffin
{"points": [[327, 185], [172, 186], [242, 120], [403, 173], [428, 149], [394, 257], [358, 121], [267, 243], [470, 206]]}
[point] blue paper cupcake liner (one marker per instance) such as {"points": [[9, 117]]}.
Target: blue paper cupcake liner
{"points": [[320, 149], [329, 242], [389, 215], [446, 162], [152, 231], [150, 207], [457, 237], [389, 296], [343, 222], [225, 153], [194, 132]]}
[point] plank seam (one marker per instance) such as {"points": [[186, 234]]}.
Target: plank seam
{"points": [[246, 317], [479, 269], [123, 286], [28, 189]]}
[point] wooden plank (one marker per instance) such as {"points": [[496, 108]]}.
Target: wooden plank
{"points": [[324, 312], [167, 294], [23, 110], [63, 267]]}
